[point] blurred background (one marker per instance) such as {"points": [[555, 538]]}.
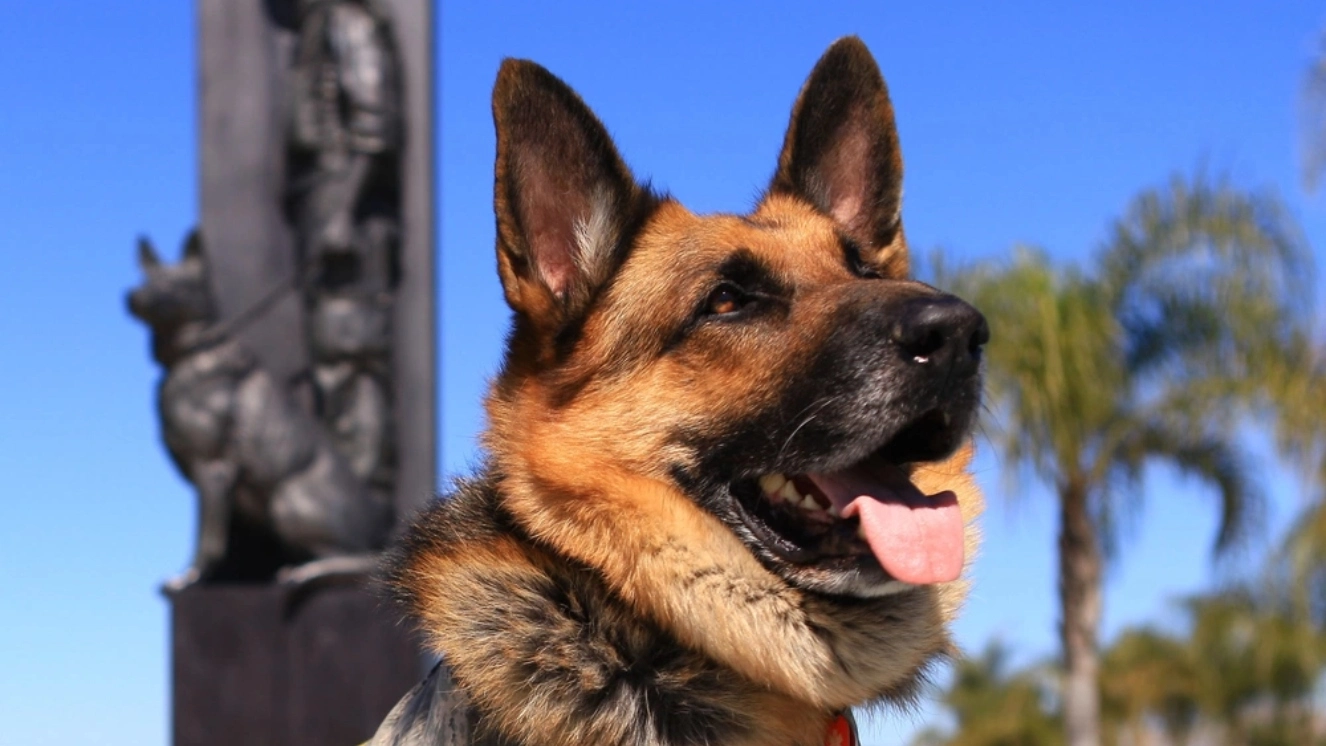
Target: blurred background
{"points": [[1130, 191]]}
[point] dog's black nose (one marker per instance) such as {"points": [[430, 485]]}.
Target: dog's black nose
{"points": [[942, 331]]}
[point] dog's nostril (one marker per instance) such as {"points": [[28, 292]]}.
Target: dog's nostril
{"points": [[979, 338], [928, 344], [940, 327]]}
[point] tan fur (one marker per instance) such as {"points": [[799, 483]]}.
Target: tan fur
{"points": [[586, 478]]}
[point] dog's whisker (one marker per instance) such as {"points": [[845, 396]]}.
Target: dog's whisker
{"points": [[809, 416]]}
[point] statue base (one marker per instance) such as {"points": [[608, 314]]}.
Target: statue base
{"points": [[256, 664]]}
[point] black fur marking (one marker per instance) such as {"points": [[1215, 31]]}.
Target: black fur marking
{"points": [[744, 269]]}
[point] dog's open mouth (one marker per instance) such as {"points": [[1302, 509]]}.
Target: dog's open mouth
{"points": [[869, 509]]}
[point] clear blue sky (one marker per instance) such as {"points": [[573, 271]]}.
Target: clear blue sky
{"points": [[1033, 124]]}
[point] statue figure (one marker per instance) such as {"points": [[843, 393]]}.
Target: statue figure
{"points": [[297, 352], [343, 201], [275, 497]]}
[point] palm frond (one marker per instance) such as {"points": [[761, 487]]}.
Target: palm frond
{"points": [[1211, 458], [1200, 272]]}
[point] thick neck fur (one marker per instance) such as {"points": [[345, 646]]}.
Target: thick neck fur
{"points": [[680, 566], [587, 588], [681, 571], [549, 655]]}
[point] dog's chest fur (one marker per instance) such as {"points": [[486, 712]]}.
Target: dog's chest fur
{"points": [[539, 646]]}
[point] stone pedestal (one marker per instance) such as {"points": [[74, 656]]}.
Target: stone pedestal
{"points": [[254, 665]]}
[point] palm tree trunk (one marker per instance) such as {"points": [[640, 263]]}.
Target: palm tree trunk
{"points": [[1080, 565]]}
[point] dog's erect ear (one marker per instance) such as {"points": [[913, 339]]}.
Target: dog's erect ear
{"points": [[841, 153], [193, 245], [563, 197], [147, 256]]}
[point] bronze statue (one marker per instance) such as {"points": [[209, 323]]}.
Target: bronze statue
{"points": [[299, 354], [275, 497], [343, 201], [290, 487]]}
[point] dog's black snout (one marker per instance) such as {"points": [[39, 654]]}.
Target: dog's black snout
{"points": [[943, 330]]}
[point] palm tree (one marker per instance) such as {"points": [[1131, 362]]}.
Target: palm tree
{"points": [[1313, 119], [1297, 392], [1257, 664], [1148, 679], [1303, 557], [994, 706], [1152, 357], [1243, 672]]}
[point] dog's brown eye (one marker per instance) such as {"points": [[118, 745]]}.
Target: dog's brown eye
{"points": [[726, 299]]}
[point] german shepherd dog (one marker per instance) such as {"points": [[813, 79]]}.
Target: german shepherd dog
{"points": [[726, 492]]}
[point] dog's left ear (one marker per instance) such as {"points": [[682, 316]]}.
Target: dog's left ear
{"points": [[563, 197], [841, 153]]}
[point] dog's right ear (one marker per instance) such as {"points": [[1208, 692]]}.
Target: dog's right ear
{"points": [[147, 256], [564, 199], [841, 154]]}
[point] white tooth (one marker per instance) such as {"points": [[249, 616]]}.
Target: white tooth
{"points": [[771, 483], [833, 511], [860, 532], [789, 492], [808, 503]]}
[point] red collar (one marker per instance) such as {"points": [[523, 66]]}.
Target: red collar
{"points": [[842, 730]]}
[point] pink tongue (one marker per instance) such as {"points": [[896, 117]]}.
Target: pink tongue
{"points": [[917, 539]]}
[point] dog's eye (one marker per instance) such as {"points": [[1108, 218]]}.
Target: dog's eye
{"points": [[726, 299]]}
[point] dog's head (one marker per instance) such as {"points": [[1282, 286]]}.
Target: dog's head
{"points": [[172, 295], [778, 369]]}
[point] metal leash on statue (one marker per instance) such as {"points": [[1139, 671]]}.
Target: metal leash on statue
{"points": [[305, 273]]}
